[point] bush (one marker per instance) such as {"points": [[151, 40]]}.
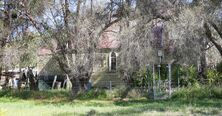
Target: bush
{"points": [[217, 93], [61, 94], [117, 92], [213, 76], [188, 76], [200, 92], [219, 67], [92, 94], [140, 78]]}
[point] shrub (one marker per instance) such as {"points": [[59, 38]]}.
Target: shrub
{"points": [[201, 92], [92, 94], [213, 76], [140, 78], [219, 67], [217, 92], [117, 92], [180, 94], [188, 76], [35, 94]]}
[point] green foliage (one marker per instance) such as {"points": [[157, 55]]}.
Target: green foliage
{"points": [[22, 52], [1, 4], [103, 94], [28, 47], [192, 73], [177, 72], [35, 94], [129, 107], [217, 92], [14, 14], [117, 92], [216, 2], [219, 67], [200, 92], [141, 78], [92, 94], [213, 76], [188, 76]]}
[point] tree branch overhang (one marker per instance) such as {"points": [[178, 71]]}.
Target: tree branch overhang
{"points": [[211, 38]]}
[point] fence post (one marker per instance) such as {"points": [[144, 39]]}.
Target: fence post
{"points": [[154, 83], [159, 77], [110, 85], [67, 82], [178, 77], [150, 92], [54, 81], [169, 79], [28, 84]]}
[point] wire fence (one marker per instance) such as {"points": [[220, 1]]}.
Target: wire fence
{"points": [[158, 89], [117, 83]]}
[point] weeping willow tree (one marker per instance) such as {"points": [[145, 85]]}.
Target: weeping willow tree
{"points": [[75, 27], [15, 50], [21, 53], [189, 31]]}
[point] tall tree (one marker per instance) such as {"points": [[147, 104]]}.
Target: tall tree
{"points": [[76, 33]]}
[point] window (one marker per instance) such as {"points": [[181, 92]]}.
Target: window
{"points": [[113, 61]]}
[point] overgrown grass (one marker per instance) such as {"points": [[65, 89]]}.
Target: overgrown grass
{"points": [[138, 107], [198, 92], [51, 94], [186, 101], [93, 94], [186, 93]]}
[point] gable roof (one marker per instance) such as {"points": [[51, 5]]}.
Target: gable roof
{"points": [[109, 38]]}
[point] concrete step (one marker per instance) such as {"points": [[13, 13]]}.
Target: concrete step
{"points": [[104, 79]]}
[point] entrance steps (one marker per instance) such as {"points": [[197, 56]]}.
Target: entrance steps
{"points": [[104, 79]]}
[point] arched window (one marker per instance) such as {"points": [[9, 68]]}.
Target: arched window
{"points": [[113, 61]]}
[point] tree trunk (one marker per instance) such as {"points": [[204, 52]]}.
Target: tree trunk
{"points": [[203, 65], [91, 7], [5, 35], [76, 86], [212, 39], [203, 60]]}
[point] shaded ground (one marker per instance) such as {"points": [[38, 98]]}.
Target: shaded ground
{"points": [[58, 107]]}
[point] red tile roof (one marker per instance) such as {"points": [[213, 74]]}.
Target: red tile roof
{"points": [[109, 38], [44, 51]]}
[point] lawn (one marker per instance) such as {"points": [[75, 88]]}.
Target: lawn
{"points": [[10, 106]]}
